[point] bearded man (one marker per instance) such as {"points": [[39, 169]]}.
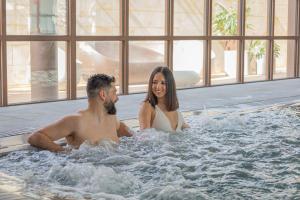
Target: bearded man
{"points": [[96, 123]]}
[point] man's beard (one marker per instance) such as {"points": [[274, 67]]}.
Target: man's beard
{"points": [[110, 107]]}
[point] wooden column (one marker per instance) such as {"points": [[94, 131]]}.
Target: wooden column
{"points": [[3, 68], [291, 45]]}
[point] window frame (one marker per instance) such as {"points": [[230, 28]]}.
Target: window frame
{"points": [[124, 38]]}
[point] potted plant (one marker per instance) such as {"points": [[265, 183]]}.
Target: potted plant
{"points": [[256, 53], [225, 23]]}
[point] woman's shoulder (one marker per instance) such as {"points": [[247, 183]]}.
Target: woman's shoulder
{"points": [[146, 107]]}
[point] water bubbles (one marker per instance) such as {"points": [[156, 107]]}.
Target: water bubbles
{"points": [[93, 179], [230, 152]]}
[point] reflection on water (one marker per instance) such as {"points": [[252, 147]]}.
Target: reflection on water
{"points": [[239, 155]]}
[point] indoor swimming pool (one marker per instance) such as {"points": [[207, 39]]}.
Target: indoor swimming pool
{"points": [[229, 153]]}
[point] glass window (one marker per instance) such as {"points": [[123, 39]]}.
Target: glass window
{"points": [[256, 17], [41, 17], [224, 62], [188, 63], [98, 17], [285, 17], [224, 17], [36, 71], [255, 62], [284, 59], [189, 17], [96, 57], [147, 17], [144, 56]]}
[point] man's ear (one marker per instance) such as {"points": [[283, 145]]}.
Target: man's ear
{"points": [[102, 95]]}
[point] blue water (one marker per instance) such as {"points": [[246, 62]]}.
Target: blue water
{"points": [[226, 154]]}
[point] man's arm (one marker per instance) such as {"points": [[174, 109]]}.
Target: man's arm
{"points": [[45, 137], [123, 130]]}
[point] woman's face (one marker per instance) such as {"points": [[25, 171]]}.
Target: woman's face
{"points": [[159, 87]]}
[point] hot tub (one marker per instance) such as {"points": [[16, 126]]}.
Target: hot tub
{"points": [[226, 154]]}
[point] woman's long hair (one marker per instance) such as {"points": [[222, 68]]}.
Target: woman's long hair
{"points": [[171, 100]]}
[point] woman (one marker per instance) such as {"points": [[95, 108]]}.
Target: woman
{"points": [[159, 110]]}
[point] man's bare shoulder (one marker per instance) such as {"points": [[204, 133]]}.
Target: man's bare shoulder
{"points": [[66, 122], [73, 118], [69, 122]]}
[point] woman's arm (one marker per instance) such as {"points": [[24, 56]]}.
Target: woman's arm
{"points": [[184, 124], [145, 114]]}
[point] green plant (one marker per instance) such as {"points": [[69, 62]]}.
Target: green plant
{"points": [[225, 23], [276, 50], [256, 49]]}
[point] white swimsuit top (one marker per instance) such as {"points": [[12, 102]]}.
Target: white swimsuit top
{"points": [[161, 121]]}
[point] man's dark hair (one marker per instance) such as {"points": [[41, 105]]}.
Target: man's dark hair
{"points": [[171, 96], [97, 82]]}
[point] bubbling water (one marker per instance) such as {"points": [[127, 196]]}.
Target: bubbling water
{"points": [[225, 155]]}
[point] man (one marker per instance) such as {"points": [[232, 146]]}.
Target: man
{"points": [[96, 123]]}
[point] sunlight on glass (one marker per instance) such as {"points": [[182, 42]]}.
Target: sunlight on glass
{"points": [[98, 17], [224, 17], [147, 17], [256, 17], [224, 62], [285, 17], [31, 17], [36, 71], [188, 63], [189, 17], [284, 59], [144, 56], [255, 66], [95, 57]]}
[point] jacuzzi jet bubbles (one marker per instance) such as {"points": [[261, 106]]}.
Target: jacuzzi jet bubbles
{"points": [[232, 153]]}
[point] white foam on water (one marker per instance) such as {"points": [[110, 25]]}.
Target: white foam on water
{"points": [[234, 153], [93, 179]]}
